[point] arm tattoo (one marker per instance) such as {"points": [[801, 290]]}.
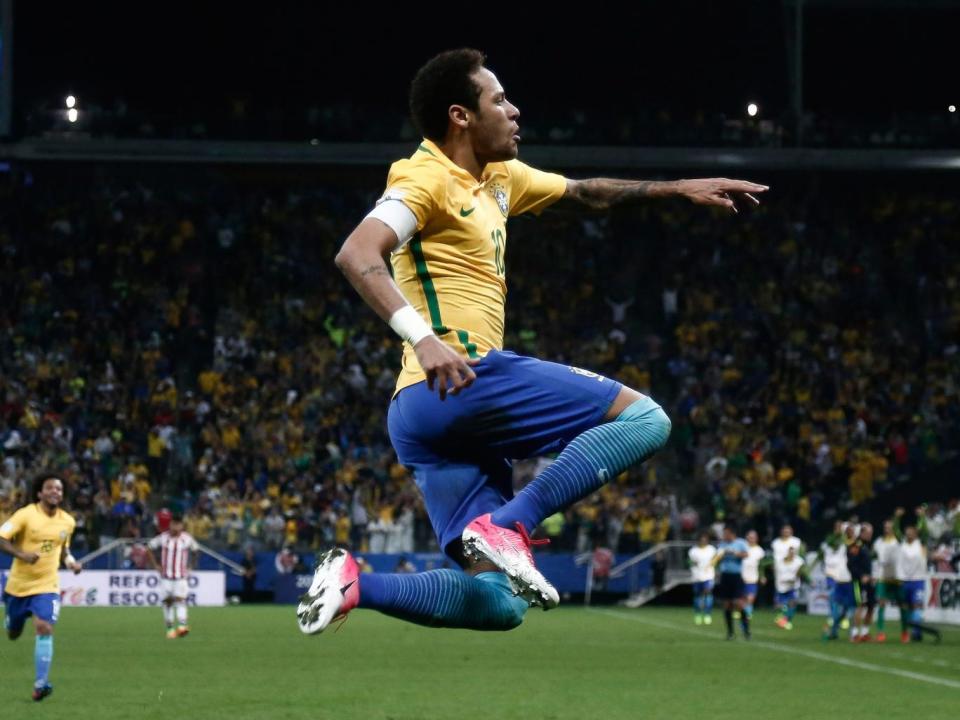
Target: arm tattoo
{"points": [[375, 270], [602, 193]]}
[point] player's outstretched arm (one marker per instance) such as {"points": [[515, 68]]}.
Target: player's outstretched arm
{"points": [[362, 261], [11, 549], [602, 193]]}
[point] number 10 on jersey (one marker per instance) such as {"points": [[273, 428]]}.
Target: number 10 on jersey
{"points": [[497, 237]]}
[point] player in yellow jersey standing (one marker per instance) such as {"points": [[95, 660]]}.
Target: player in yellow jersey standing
{"points": [[463, 405], [38, 537]]}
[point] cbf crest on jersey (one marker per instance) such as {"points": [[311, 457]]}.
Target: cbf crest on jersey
{"points": [[500, 195]]}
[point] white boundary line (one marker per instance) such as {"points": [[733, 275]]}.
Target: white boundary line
{"points": [[796, 651]]}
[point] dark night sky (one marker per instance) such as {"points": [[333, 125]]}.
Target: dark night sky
{"points": [[678, 55]]}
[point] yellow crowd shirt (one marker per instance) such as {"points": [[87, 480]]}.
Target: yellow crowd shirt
{"points": [[453, 269], [32, 530]]}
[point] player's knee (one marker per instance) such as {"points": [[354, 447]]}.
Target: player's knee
{"points": [[661, 426], [43, 629], [649, 416]]}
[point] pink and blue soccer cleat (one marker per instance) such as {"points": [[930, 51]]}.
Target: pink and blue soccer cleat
{"points": [[333, 593], [509, 550]]}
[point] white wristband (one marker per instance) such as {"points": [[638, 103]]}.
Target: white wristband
{"points": [[407, 323], [69, 560]]}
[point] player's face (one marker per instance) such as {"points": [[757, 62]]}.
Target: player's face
{"points": [[52, 492], [911, 533], [866, 533], [888, 528], [494, 130], [176, 527], [786, 532], [752, 537]]}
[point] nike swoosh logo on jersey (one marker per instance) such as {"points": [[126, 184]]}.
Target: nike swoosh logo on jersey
{"points": [[343, 590], [465, 213]]}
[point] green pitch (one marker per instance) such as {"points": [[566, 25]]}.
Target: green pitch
{"points": [[252, 662]]}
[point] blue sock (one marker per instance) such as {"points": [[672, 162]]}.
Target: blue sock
{"points": [[698, 604], [42, 657], [588, 462], [708, 604], [445, 598], [748, 610], [791, 611]]}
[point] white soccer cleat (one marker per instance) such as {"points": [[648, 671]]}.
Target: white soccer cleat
{"points": [[333, 593], [509, 550]]}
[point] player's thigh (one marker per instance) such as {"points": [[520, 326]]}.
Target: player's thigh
{"points": [[16, 612], [168, 590], [455, 493], [45, 609], [180, 589]]}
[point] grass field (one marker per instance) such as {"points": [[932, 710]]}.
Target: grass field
{"points": [[252, 662]]}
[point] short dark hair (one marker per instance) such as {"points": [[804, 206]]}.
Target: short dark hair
{"points": [[731, 526], [444, 81], [36, 485]]}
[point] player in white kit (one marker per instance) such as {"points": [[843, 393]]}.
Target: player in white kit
{"points": [[178, 554], [886, 549], [751, 571], [703, 570], [786, 541], [912, 573], [788, 572]]}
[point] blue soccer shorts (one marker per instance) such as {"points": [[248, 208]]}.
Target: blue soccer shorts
{"points": [[460, 449], [843, 594], [913, 591], [45, 606], [703, 587]]}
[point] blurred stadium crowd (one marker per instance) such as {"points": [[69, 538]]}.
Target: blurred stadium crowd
{"points": [[189, 343]]}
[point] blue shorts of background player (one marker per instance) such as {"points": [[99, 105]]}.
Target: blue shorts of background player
{"points": [[750, 589], [913, 592], [45, 606], [460, 449], [702, 588], [785, 598], [843, 595]]}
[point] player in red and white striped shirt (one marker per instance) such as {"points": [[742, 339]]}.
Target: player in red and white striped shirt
{"points": [[178, 552]]}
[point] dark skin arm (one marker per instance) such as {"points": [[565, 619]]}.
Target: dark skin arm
{"points": [[603, 193], [11, 549]]}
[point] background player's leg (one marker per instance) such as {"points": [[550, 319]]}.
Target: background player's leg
{"points": [[168, 614], [42, 653], [588, 462], [445, 598], [180, 606]]}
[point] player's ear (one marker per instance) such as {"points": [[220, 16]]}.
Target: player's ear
{"points": [[459, 116]]}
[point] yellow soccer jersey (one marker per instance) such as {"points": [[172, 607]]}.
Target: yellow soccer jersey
{"points": [[453, 270], [32, 530]]}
